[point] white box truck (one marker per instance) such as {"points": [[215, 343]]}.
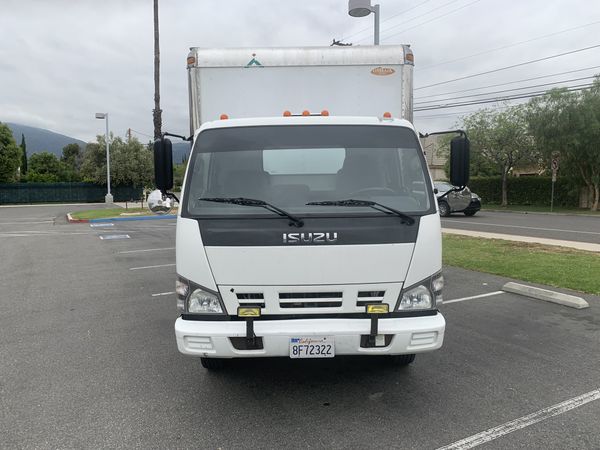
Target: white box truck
{"points": [[307, 225]]}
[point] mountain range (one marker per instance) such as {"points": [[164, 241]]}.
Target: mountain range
{"points": [[40, 140]]}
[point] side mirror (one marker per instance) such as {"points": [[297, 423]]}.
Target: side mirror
{"points": [[163, 164], [459, 161], [159, 203]]}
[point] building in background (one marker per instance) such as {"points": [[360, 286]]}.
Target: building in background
{"points": [[435, 155]]}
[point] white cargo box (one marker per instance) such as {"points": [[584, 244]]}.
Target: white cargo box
{"points": [[265, 82]]}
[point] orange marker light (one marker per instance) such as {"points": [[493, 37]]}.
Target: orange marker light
{"points": [[324, 112], [224, 117], [287, 114], [306, 112], [387, 115], [191, 60]]}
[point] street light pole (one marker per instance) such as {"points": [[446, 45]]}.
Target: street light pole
{"points": [[376, 14], [108, 198], [362, 8]]}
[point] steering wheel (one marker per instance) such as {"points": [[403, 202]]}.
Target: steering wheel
{"points": [[374, 190]]}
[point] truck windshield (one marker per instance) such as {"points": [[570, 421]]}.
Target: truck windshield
{"points": [[293, 166]]}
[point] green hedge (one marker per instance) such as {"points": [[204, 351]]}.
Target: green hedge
{"points": [[527, 190], [64, 193]]}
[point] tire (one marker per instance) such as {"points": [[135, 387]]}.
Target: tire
{"points": [[444, 209], [402, 360], [212, 363], [470, 213]]}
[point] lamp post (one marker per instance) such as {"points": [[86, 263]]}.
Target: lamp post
{"points": [[108, 198], [362, 8]]}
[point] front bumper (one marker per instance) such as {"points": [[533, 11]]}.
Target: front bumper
{"points": [[212, 338]]}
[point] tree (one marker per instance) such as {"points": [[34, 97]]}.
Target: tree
{"points": [[70, 162], [71, 156], [23, 156], [131, 163], [10, 155], [44, 167], [568, 123], [93, 164], [500, 141]]}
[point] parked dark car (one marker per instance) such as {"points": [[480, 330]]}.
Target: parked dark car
{"points": [[463, 201]]}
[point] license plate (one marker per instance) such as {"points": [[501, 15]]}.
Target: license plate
{"points": [[312, 347]]}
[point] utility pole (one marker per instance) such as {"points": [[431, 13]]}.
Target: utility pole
{"points": [[128, 135], [156, 112]]}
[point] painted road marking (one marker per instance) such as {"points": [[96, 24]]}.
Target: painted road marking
{"points": [[114, 236], [521, 227], [522, 422], [27, 222], [41, 233], [105, 224], [473, 297], [163, 293], [147, 250], [151, 267]]}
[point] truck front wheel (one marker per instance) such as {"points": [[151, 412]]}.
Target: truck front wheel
{"points": [[212, 363]]}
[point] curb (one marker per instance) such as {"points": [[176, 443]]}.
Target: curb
{"points": [[70, 219], [130, 219], [577, 245], [546, 295], [541, 213]]}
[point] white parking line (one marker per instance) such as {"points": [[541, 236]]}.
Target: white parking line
{"points": [[102, 224], [163, 293], [41, 233], [114, 236], [151, 267], [473, 297], [26, 222], [148, 250], [522, 422]]}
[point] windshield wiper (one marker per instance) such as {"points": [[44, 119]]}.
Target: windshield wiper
{"points": [[378, 206], [296, 221]]}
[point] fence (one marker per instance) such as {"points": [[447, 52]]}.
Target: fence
{"points": [[64, 193]]}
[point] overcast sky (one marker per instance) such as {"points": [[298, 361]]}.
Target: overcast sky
{"points": [[63, 60]]}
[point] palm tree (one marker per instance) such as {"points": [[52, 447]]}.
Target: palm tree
{"points": [[156, 112]]}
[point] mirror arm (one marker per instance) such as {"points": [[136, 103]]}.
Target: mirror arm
{"points": [[455, 189], [189, 139], [170, 194], [459, 132]]}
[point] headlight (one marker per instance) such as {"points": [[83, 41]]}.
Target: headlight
{"points": [[195, 299], [201, 301], [419, 297], [424, 295]]}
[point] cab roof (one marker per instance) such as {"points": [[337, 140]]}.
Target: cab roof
{"points": [[304, 120]]}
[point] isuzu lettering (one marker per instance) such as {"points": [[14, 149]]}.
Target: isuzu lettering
{"points": [[307, 223]]}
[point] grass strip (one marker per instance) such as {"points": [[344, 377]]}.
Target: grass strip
{"points": [[108, 213], [554, 266]]}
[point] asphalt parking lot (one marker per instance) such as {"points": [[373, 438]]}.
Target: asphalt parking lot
{"points": [[89, 360]]}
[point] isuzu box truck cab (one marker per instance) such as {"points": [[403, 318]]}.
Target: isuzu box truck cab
{"points": [[305, 233]]}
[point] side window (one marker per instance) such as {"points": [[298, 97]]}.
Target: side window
{"points": [[313, 161]]}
